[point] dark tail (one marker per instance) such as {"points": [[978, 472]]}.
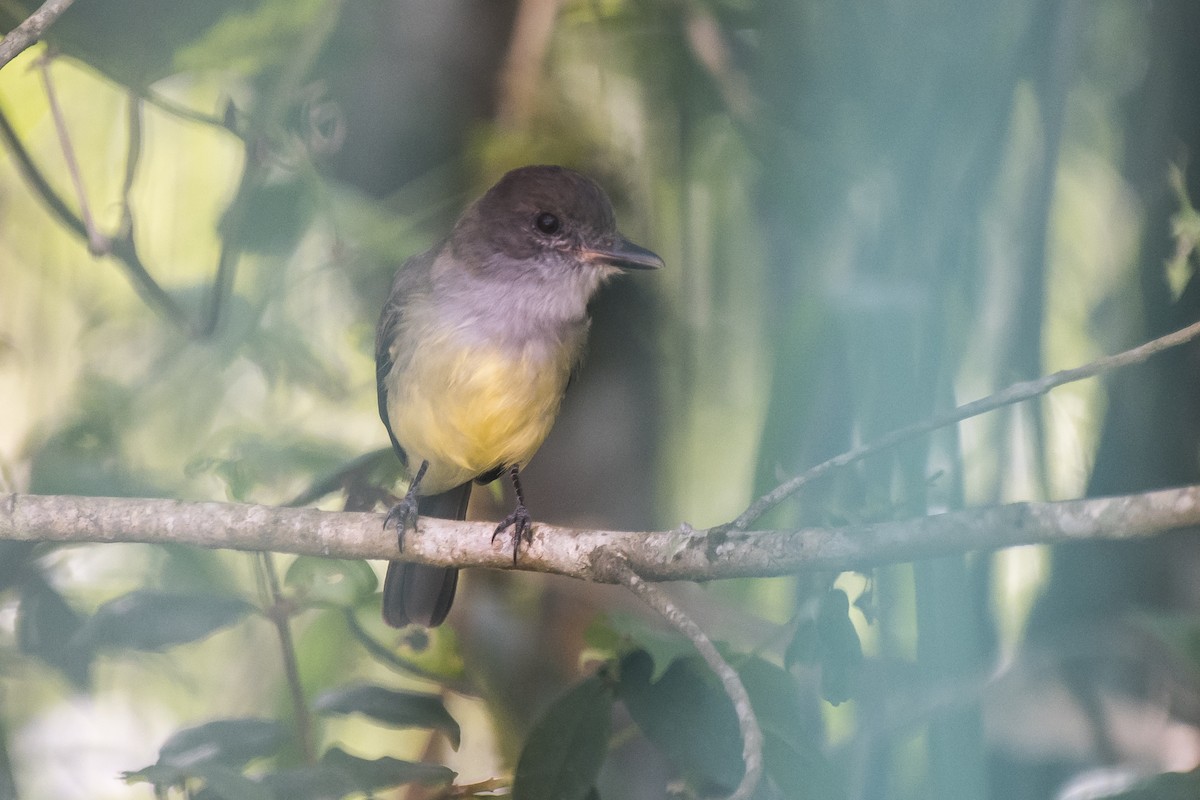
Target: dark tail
{"points": [[418, 593]]}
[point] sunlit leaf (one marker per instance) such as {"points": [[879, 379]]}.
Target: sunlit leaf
{"points": [[329, 581], [566, 748], [391, 707], [154, 620]]}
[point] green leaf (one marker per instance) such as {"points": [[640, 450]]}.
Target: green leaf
{"points": [[333, 582], [566, 748], [153, 620], [232, 742], [841, 651], [390, 707], [687, 715], [381, 773]]}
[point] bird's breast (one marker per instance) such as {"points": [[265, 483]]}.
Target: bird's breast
{"points": [[467, 407]]}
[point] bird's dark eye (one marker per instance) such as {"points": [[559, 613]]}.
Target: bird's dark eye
{"points": [[547, 223]]}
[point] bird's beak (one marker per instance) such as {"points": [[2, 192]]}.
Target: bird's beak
{"points": [[624, 254]]}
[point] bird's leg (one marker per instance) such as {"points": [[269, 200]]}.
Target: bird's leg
{"points": [[404, 513], [519, 520]]}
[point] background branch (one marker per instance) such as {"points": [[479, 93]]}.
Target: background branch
{"points": [[682, 554], [1016, 393], [24, 35]]}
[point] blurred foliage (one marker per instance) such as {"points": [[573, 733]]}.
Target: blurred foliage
{"points": [[869, 212]]}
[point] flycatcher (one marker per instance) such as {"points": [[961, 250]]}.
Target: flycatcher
{"points": [[475, 346]]}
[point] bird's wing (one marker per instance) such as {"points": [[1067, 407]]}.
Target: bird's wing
{"points": [[413, 276]]}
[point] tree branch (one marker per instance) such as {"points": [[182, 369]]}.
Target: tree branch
{"points": [[21, 37], [1016, 393], [682, 554]]}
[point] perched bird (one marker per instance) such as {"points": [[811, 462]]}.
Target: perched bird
{"points": [[475, 346]]}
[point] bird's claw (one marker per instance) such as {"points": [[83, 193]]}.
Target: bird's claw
{"points": [[522, 528], [404, 516]]}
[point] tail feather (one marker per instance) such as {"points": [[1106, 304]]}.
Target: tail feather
{"points": [[419, 593]]}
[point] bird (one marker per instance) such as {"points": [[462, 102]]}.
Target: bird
{"points": [[476, 344]]}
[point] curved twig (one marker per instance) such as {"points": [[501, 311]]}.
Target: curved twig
{"points": [[617, 568]]}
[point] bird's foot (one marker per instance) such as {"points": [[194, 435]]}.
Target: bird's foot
{"points": [[522, 528], [404, 516]]}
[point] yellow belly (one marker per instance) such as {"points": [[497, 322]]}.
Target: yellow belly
{"points": [[467, 410]]}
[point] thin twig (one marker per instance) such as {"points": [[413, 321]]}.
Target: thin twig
{"points": [[388, 656], [280, 617], [521, 75], [121, 248], [98, 243], [1016, 393], [133, 157], [752, 738], [21, 37]]}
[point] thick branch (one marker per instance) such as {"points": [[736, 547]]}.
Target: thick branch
{"points": [[21, 37], [682, 554]]}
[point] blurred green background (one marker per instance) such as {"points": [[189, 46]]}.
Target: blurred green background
{"points": [[870, 211]]}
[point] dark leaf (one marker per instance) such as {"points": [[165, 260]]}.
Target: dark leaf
{"points": [[779, 704], [132, 41], [224, 783], [800, 774], [159, 776], [15, 558], [1167, 786], [153, 620], [390, 707], [841, 651], [232, 742], [268, 218], [687, 715], [46, 626], [380, 773], [310, 783], [805, 646], [566, 748]]}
